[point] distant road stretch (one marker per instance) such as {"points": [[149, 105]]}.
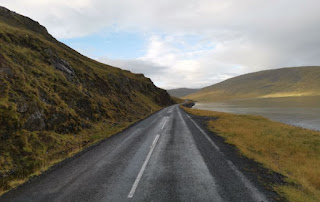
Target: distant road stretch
{"points": [[166, 157]]}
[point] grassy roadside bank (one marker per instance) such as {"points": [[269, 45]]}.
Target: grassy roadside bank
{"points": [[45, 149], [55, 101], [291, 151]]}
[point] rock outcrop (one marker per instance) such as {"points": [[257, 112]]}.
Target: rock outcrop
{"points": [[50, 96]]}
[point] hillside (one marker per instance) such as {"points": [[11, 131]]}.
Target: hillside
{"points": [[285, 82], [181, 92], [55, 101]]}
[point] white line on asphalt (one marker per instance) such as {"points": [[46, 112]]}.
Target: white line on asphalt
{"points": [[184, 123], [214, 189], [254, 191], [135, 185], [164, 123], [205, 134]]}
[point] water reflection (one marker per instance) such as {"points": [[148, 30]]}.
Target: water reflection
{"points": [[302, 111]]}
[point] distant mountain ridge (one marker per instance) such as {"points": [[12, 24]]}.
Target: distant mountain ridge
{"points": [[181, 92], [54, 101], [284, 82]]}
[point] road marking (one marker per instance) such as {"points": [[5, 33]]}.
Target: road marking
{"points": [[205, 134], [136, 182], [164, 123], [254, 191], [202, 167], [184, 123]]}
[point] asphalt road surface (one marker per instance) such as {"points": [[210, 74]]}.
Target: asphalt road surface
{"points": [[166, 157]]}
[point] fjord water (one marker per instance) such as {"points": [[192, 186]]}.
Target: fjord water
{"points": [[298, 111]]}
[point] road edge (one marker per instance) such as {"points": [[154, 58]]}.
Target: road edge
{"points": [[78, 154], [253, 170]]}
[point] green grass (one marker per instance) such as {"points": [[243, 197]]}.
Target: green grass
{"points": [[292, 151], [73, 111]]}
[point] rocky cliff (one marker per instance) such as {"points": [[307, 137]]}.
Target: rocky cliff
{"points": [[54, 101]]}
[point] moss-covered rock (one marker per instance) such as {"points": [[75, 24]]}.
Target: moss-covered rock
{"points": [[51, 96]]}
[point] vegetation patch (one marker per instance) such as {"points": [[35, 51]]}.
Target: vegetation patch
{"points": [[284, 82], [291, 151], [55, 101]]}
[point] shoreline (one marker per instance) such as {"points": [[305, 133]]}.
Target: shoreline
{"points": [[298, 117]]}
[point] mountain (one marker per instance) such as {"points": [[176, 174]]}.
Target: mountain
{"points": [[181, 92], [284, 82], [55, 101]]}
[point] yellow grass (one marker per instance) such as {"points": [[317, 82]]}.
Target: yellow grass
{"points": [[293, 94], [70, 145], [292, 151], [75, 144], [284, 82], [99, 100]]}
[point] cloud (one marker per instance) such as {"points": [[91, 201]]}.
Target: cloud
{"points": [[172, 63], [192, 43], [212, 17]]}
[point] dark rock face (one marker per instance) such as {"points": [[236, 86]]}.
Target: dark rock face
{"points": [[5, 71], [56, 119], [4, 67], [45, 97], [58, 63], [188, 104], [63, 66], [3, 88], [88, 92], [22, 106], [49, 94], [35, 122], [8, 123]]}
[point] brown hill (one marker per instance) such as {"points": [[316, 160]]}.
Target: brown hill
{"points": [[284, 82], [181, 92]]}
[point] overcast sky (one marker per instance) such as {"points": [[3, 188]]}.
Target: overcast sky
{"points": [[184, 43]]}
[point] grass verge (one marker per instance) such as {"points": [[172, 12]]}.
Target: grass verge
{"points": [[291, 151], [48, 149]]}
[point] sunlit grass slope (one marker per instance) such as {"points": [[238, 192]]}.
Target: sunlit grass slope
{"points": [[285, 82], [292, 151], [55, 101]]}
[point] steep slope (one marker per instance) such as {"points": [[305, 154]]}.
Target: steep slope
{"points": [[181, 92], [54, 101], [285, 82]]}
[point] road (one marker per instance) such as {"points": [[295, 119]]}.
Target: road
{"points": [[166, 157]]}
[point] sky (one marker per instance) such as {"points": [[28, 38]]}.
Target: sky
{"points": [[184, 43]]}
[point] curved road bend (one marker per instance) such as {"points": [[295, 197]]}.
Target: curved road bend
{"points": [[166, 157]]}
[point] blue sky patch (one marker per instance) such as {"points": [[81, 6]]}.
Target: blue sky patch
{"points": [[120, 45]]}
